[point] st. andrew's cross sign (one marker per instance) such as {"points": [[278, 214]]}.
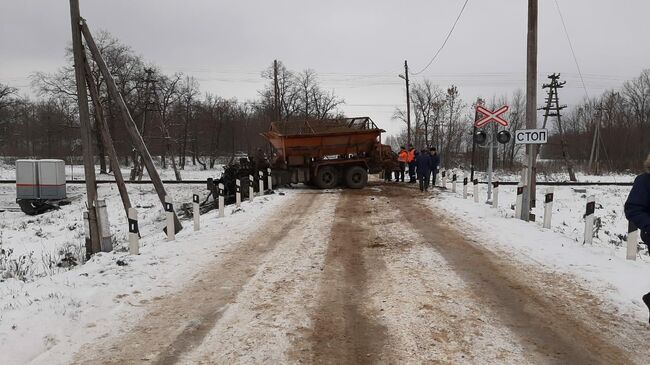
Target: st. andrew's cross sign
{"points": [[491, 116]]}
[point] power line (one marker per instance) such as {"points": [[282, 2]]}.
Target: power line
{"points": [[446, 39], [575, 59]]}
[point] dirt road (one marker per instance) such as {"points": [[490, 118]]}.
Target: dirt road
{"points": [[372, 276]]}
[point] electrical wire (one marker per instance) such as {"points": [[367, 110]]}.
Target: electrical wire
{"points": [[573, 53], [445, 42]]}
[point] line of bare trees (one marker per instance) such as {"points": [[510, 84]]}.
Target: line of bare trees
{"points": [[443, 120], [177, 121]]}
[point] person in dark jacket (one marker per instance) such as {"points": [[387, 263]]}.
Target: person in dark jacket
{"points": [[435, 162], [637, 209], [423, 169]]}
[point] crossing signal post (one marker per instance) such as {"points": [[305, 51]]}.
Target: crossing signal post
{"points": [[481, 137]]}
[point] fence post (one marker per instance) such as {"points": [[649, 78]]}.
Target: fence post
{"points": [[444, 179], [589, 219], [464, 188], [87, 230], [237, 193], [251, 189], [196, 212], [269, 178], [261, 175], [222, 201], [134, 232], [475, 182], [548, 207], [495, 194], [453, 182], [169, 211], [105, 241], [632, 241], [520, 199]]}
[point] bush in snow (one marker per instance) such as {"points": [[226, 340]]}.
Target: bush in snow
{"points": [[20, 268]]}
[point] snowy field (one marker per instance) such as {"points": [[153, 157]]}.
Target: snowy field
{"points": [[40, 309], [601, 266]]}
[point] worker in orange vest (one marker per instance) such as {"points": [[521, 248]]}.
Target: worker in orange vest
{"points": [[411, 162], [402, 159]]}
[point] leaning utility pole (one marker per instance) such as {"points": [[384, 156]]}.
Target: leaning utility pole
{"points": [[553, 109], [531, 106], [93, 245], [130, 125]]}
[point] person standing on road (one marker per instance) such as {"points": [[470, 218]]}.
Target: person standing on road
{"points": [[435, 162], [637, 209], [402, 160], [423, 164], [411, 162]]}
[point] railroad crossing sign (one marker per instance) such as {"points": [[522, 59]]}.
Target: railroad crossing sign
{"points": [[531, 136], [491, 116]]}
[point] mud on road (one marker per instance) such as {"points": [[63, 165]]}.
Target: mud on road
{"points": [[372, 276]]}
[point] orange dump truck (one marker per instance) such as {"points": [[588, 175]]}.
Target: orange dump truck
{"points": [[327, 153]]}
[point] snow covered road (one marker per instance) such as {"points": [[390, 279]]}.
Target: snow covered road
{"points": [[379, 275]]}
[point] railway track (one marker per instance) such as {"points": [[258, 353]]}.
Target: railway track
{"points": [[196, 182]]}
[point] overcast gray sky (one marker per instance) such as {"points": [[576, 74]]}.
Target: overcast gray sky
{"points": [[357, 47]]}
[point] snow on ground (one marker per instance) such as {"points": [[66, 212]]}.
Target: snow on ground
{"points": [[602, 265], [46, 309]]}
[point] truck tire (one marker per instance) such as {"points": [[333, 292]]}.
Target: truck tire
{"points": [[356, 177], [326, 178]]}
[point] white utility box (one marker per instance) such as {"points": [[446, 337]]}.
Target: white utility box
{"points": [[40, 179]]}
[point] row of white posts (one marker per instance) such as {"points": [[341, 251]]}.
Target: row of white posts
{"points": [[632, 236], [134, 232]]}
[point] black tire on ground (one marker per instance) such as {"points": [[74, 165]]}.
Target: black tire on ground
{"points": [[33, 207], [356, 177], [326, 178]]}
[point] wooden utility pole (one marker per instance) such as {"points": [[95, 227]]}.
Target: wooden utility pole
{"points": [[86, 134], [531, 106], [408, 104], [595, 144], [102, 126], [130, 125], [553, 109], [276, 92]]}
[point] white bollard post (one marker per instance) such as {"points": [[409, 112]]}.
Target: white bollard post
{"points": [[589, 219], [632, 241], [453, 183], [86, 218], [105, 241], [495, 194], [169, 211], [222, 201], [269, 178], [261, 175], [134, 232], [475, 190], [444, 179], [439, 178], [238, 193], [251, 189], [196, 212], [548, 207], [520, 200], [464, 188]]}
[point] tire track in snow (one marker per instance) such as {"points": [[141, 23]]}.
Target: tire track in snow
{"points": [[544, 326], [178, 322]]}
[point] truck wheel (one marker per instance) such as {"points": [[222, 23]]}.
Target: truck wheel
{"points": [[326, 178], [356, 177]]}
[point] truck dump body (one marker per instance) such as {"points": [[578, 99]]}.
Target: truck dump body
{"points": [[318, 139], [326, 153]]}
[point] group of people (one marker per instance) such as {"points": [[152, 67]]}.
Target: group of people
{"points": [[422, 166]]}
